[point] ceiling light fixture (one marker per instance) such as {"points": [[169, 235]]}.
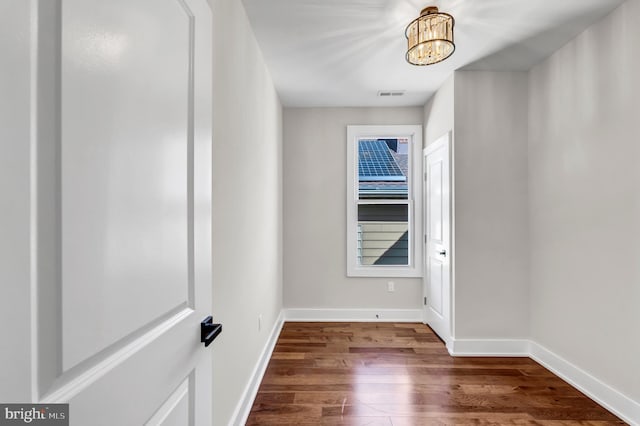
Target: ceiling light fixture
{"points": [[430, 37]]}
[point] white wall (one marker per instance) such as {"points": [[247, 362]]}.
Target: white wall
{"points": [[315, 212], [439, 112], [247, 204], [491, 217], [584, 158], [487, 112]]}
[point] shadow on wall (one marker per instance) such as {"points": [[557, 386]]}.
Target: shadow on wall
{"points": [[397, 254]]}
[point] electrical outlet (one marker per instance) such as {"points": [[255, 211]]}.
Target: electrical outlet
{"points": [[391, 286]]}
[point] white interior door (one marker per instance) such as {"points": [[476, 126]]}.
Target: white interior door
{"points": [[437, 277], [120, 188]]}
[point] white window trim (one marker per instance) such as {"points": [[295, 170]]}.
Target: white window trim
{"points": [[414, 133]]}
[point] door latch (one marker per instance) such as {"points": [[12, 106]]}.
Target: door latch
{"points": [[209, 331]]}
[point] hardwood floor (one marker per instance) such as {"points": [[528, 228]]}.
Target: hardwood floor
{"points": [[400, 375]]}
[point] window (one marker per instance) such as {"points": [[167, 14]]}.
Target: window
{"points": [[383, 201]]}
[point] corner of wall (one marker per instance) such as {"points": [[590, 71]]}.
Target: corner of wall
{"points": [[245, 402]]}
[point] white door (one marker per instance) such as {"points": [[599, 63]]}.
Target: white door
{"points": [[437, 277], [117, 160]]}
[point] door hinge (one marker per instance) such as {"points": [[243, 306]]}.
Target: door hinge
{"points": [[425, 177], [425, 301], [425, 238]]}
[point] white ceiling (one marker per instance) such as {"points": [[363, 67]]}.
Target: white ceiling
{"points": [[342, 52]]}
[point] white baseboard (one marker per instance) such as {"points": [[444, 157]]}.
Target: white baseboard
{"points": [[614, 401], [490, 347], [241, 413], [354, 315]]}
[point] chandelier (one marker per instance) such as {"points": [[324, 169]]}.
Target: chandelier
{"points": [[430, 37]]}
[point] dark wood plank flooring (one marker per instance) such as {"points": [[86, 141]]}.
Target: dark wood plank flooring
{"points": [[400, 375]]}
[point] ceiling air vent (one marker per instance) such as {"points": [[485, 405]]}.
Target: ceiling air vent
{"points": [[390, 93]]}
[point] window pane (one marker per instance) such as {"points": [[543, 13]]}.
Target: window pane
{"points": [[383, 168], [383, 234]]}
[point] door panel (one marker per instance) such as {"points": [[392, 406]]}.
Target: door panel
{"points": [[125, 139], [132, 390], [123, 189], [175, 410], [437, 288], [434, 177], [15, 182]]}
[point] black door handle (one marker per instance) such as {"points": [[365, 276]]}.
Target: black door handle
{"points": [[209, 331]]}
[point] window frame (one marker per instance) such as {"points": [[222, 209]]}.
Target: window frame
{"points": [[414, 201]]}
